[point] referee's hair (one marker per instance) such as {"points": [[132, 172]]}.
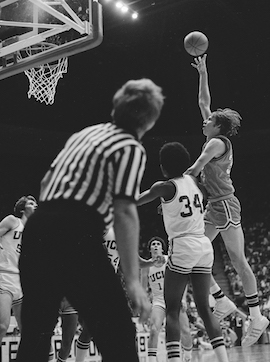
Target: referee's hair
{"points": [[158, 239], [137, 103]]}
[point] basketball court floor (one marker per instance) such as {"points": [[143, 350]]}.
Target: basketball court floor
{"points": [[256, 353]]}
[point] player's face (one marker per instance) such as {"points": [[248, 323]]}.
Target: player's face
{"points": [[210, 129], [156, 247], [30, 207]]}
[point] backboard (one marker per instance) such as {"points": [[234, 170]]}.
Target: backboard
{"points": [[71, 26]]}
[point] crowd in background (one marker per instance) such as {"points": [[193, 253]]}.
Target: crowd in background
{"points": [[258, 256]]}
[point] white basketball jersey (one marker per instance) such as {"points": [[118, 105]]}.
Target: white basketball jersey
{"points": [[156, 280], [10, 249], [110, 244], [183, 214]]}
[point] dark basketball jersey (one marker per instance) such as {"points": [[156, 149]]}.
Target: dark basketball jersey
{"points": [[215, 175]]}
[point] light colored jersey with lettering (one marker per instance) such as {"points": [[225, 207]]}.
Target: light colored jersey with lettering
{"points": [[10, 249], [110, 244], [215, 175], [156, 282]]}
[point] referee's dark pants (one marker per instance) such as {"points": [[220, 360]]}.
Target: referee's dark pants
{"points": [[62, 255]]}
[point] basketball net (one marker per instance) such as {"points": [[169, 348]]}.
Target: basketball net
{"points": [[44, 78]]}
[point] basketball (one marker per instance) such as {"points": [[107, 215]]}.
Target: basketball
{"points": [[196, 43]]}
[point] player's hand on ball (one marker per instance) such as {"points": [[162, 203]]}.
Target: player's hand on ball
{"points": [[200, 63]]}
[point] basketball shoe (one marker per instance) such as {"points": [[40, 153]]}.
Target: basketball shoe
{"points": [[223, 308], [255, 330]]}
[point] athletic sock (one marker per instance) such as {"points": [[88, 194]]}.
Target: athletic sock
{"points": [[152, 354], [81, 350], [216, 292], [219, 349], [253, 304], [173, 351]]}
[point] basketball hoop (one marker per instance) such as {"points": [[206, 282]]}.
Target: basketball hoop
{"points": [[44, 78]]}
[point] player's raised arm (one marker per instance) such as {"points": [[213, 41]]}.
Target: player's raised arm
{"points": [[204, 97]]}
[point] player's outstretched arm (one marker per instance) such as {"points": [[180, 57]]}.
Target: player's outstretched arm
{"points": [[159, 189], [156, 190], [204, 97]]}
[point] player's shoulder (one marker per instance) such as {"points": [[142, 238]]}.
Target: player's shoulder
{"points": [[165, 189], [189, 180], [216, 141], [160, 183], [216, 147], [10, 222], [222, 145], [225, 140]]}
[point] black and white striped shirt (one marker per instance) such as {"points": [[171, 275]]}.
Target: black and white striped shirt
{"points": [[97, 164]]}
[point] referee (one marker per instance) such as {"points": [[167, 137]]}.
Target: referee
{"points": [[93, 183]]}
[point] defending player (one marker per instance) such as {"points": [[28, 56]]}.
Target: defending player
{"points": [[190, 251], [11, 228], [154, 277], [223, 208]]}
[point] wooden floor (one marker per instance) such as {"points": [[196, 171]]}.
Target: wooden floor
{"points": [[256, 353]]}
